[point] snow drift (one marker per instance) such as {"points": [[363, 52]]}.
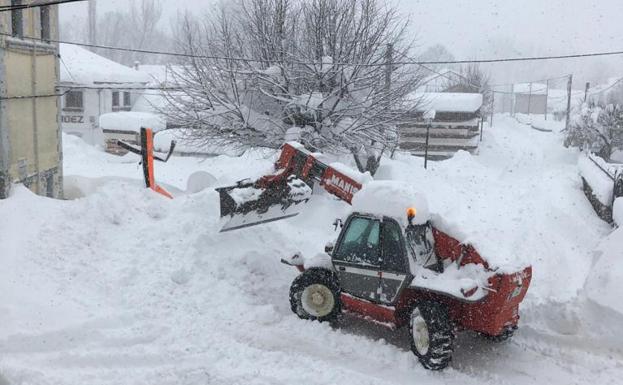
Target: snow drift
{"points": [[123, 286], [604, 282]]}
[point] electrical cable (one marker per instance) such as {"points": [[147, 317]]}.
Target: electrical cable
{"points": [[9, 8], [251, 60]]}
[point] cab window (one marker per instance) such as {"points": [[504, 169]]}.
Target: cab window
{"points": [[393, 249], [361, 242]]}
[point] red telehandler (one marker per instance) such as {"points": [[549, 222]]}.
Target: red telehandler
{"points": [[396, 271]]}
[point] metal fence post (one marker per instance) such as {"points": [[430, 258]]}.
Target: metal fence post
{"points": [[426, 148], [569, 84], [482, 124]]}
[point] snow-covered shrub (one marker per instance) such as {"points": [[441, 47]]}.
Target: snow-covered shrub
{"points": [[598, 129]]}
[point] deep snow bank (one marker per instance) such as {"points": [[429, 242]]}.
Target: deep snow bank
{"points": [[605, 281], [518, 202], [617, 211], [128, 287]]}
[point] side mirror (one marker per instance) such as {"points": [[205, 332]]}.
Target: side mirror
{"points": [[328, 248], [338, 222]]}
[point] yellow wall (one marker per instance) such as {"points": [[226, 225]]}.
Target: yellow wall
{"points": [[32, 123]]}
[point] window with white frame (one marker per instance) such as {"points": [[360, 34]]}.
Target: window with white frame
{"points": [[121, 101], [74, 101]]}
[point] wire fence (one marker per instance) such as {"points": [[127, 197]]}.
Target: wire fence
{"points": [[550, 98]]}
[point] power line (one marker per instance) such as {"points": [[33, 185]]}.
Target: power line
{"points": [[33, 96], [8, 8], [527, 58], [251, 60], [71, 88], [606, 89], [121, 88]]}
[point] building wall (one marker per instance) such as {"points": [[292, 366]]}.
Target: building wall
{"points": [[29, 128], [85, 123]]}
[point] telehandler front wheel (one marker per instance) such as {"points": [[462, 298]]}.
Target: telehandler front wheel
{"points": [[315, 295]]}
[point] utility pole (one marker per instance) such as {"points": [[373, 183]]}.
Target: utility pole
{"points": [[492, 111], [588, 86], [569, 84], [92, 22]]}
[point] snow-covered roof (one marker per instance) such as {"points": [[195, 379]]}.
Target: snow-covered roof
{"points": [[392, 199], [153, 102], [160, 74], [83, 67], [534, 88], [448, 101]]}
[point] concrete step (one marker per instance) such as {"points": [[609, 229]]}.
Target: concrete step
{"points": [[446, 124], [440, 154], [444, 142], [440, 132]]}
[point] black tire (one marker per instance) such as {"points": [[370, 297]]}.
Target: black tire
{"points": [[432, 335], [506, 334], [324, 285]]}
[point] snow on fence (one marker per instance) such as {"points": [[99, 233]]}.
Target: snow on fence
{"points": [[602, 185]]}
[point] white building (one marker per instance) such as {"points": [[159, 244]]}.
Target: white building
{"points": [[92, 86]]}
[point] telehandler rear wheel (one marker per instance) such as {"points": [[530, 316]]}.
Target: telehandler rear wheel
{"points": [[432, 335]]}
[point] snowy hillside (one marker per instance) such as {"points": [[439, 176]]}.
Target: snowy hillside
{"points": [[122, 286]]}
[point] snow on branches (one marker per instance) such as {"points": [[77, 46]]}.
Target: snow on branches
{"points": [[324, 67], [597, 128]]}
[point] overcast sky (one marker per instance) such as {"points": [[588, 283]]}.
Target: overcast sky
{"points": [[482, 28]]}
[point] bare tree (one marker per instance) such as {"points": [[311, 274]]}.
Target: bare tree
{"points": [[316, 69], [473, 79], [135, 27], [437, 52]]}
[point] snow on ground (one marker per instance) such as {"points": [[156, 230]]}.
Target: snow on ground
{"points": [[123, 286], [617, 211], [604, 282], [538, 122]]}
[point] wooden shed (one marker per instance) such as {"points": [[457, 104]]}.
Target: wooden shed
{"points": [[454, 120]]}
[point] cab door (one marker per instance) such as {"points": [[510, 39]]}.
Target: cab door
{"points": [[394, 270], [357, 257]]}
